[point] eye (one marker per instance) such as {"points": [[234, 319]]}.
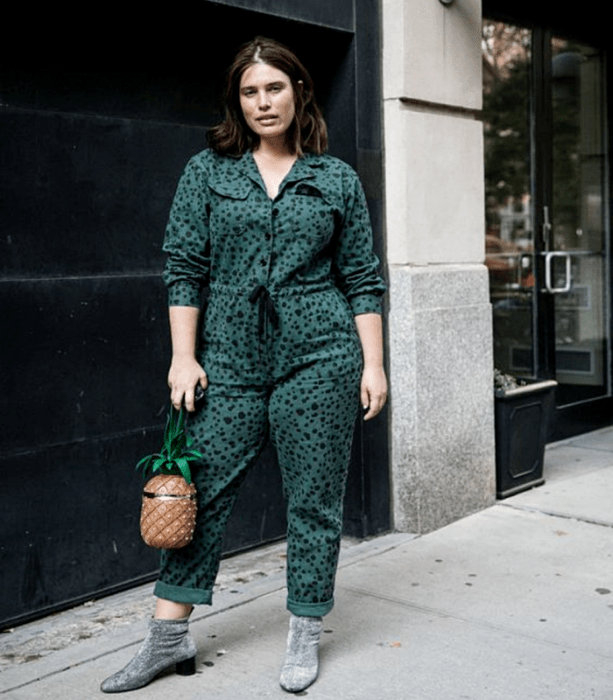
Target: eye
{"points": [[248, 92]]}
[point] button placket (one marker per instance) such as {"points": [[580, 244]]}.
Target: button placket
{"points": [[267, 258]]}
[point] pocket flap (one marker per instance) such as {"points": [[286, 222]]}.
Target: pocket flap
{"points": [[238, 188]]}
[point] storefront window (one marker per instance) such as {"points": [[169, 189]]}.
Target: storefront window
{"points": [[509, 228]]}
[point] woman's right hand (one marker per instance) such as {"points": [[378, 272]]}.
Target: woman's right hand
{"points": [[184, 375]]}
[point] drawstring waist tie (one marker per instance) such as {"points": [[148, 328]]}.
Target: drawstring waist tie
{"points": [[266, 309], [261, 295]]}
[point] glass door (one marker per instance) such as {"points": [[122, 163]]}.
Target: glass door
{"points": [[547, 248], [509, 235], [575, 250]]}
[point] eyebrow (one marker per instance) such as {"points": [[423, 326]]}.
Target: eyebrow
{"points": [[272, 83]]}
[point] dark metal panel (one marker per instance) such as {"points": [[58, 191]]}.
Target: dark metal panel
{"points": [[87, 194], [87, 358], [338, 97], [374, 437], [337, 14], [91, 160], [570, 422], [355, 110], [563, 19], [71, 522]]}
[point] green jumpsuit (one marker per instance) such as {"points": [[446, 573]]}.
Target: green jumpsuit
{"points": [[279, 345]]}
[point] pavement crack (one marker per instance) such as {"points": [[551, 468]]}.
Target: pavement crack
{"points": [[557, 514], [484, 624]]}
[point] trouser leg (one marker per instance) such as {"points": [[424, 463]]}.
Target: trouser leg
{"points": [[312, 420], [230, 429]]}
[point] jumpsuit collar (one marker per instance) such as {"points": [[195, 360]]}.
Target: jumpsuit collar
{"points": [[305, 167]]}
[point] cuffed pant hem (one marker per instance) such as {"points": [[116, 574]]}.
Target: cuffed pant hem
{"points": [[310, 609], [177, 594]]}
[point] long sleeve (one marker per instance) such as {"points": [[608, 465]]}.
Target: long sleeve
{"points": [[187, 241], [355, 265]]}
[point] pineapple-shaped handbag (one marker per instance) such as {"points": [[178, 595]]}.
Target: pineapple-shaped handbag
{"points": [[168, 512]]}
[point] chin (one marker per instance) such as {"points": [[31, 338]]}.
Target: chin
{"points": [[270, 133]]}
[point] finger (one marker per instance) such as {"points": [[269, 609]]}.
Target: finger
{"points": [[371, 414], [376, 405], [189, 400], [364, 398], [369, 411], [176, 398]]}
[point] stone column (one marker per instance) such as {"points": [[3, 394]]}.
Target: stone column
{"points": [[440, 334]]}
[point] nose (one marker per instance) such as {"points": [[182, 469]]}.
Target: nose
{"points": [[263, 100]]}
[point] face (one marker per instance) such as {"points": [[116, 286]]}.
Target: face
{"points": [[267, 100]]}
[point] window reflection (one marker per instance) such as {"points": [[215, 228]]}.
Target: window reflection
{"points": [[509, 231]]}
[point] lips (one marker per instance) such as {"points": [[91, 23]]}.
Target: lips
{"points": [[267, 118]]}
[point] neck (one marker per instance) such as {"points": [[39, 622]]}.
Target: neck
{"points": [[274, 148]]}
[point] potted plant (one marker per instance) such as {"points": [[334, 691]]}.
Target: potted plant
{"points": [[168, 513], [523, 408]]}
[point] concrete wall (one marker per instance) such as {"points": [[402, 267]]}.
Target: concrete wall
{"points": [[440, 337]]}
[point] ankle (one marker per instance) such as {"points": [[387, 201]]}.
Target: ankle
{"points": [[170, 610]]}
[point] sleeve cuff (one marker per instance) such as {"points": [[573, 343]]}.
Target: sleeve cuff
{"points": [[365, 304], [184, 295]]}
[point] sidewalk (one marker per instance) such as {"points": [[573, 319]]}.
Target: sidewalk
{"points": [[513, 602]]}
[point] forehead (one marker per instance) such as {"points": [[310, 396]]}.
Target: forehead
{"points": [[262, 74]]}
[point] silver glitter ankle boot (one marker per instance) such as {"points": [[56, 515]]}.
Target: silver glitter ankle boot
{"points": [[302, 659], [166, 644]]}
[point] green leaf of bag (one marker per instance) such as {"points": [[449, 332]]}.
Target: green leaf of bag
{"points": [[175, 455]]}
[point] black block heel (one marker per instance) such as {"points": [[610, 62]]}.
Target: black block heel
{"points": [[187, 667]]}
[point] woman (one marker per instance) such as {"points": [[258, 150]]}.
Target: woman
{"points": [[290, 342]]}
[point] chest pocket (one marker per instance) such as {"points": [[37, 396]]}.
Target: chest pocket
{"points": [[229, 212], [316, 212], [306, 189]]}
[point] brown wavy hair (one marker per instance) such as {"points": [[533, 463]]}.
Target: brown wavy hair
{"points": [[308, 131]]}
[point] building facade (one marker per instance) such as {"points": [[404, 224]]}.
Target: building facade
{"points": [[480, 134], [495, 125], [440, 336]]}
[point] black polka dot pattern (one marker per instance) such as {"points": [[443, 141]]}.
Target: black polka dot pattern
{"points": [[283, 363], [224, 228]]}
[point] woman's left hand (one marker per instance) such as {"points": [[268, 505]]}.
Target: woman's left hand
{"points": [[373, 391]]}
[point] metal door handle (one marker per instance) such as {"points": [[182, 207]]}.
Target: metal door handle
{"points": [[549, 286]]}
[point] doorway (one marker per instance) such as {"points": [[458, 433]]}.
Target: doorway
{"points": [[547, 242], [92, 152]]}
